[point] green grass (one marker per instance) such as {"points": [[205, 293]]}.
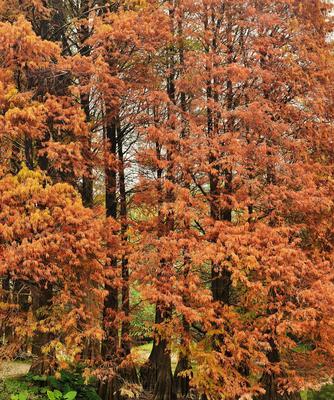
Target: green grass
{"points": [[15, 386], [35, 387]]}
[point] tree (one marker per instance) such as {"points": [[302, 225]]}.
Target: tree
{"points": [[48, 242], [199, 135]]}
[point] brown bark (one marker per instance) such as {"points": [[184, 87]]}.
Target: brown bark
{"points": [[156, 374], [6, 330], [41, 301], [125, 336], [269, 380], [181, 382], [87, 180], [270, 385], [28, 150], [110, 344], [221, 279]]}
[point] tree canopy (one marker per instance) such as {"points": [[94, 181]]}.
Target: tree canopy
{"points": [[169, 164]]}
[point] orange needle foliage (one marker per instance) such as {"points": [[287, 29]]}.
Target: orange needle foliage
{"points": [[200, 135], [49, 241]]}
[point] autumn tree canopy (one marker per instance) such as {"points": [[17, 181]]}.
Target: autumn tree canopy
{"points": [[167, 176]]}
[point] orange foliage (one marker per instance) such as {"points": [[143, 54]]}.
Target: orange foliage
{"points": [[206, 131]]}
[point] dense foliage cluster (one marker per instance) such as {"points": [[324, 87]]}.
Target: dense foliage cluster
{"points": [[167, 175]]}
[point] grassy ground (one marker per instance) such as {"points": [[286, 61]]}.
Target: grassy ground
{"points": [[11, 387], [142, 353]]}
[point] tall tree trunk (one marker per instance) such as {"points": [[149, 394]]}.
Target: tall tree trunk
{"points": [[125, 337], [156, 374], [128, 373], [110, 344], [109, 388], [269, 380], [221, 279], [87, 180], [160, 358], [41, 302], [181, 381], [6, 329], [91, 347]]}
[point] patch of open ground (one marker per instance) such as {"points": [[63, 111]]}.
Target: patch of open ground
{"points": [[13, 369]]}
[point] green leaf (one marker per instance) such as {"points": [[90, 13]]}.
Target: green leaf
{"points": [[58, 394], [54, 383], [39, 378], [67, 388], [23, 396], [70, 395], [51, 395]]}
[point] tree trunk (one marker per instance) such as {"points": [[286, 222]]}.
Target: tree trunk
{"points": [[125, 336], [15, 161], [87, 180], [6, 329], [128, 372], [110, 389], [28, 151], [182, 383], [269, 384], [156, 374], [269, 380], [110, 343], [41, 301]]}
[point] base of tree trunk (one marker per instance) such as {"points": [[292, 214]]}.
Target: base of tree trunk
{"points": [[156, 374], [164, 388], [110, 389], [148, 375], [91, 350], [182, 383], [41, 366]]}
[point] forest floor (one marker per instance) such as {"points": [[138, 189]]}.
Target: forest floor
{"points": [[13, 369], [10, 370], [17, 369]]}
